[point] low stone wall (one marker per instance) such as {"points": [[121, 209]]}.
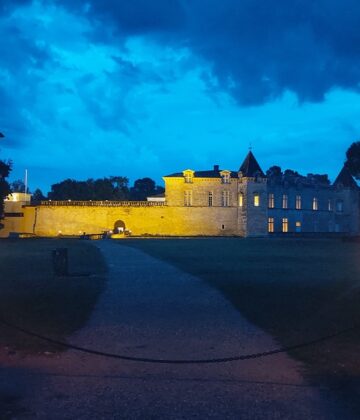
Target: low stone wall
{"points": [[52, 220]]}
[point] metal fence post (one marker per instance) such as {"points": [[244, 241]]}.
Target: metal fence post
{"points": [[60, 261]]}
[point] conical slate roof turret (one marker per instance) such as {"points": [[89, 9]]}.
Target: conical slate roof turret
{"points": [[345, 178], [250, 168]]}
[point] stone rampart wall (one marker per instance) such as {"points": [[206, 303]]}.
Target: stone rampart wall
{"points": [[152, 220]]}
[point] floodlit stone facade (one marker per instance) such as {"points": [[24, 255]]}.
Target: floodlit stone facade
{"points": [[207, 203]]}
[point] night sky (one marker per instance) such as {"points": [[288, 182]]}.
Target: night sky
{"points": [[145, 88]]}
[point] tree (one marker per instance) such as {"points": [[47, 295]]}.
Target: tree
{"points": [[103, 189], [290, 173], [112, 188], [37, 196], [5, 168], [69, 189], [274, 172], [143, 188], [321, 179], [17, 186], [353, 159], [120, 185]]}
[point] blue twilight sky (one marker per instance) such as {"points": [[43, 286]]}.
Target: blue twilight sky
{"points": [[146, 88]]}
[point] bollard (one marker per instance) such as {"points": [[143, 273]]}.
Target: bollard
{"points": [[60, 261]]}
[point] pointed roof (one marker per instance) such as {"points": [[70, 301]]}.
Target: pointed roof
{"points": [[345, 178], [250, 168]]}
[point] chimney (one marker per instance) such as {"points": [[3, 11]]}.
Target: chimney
{"points": [[216, 168]]}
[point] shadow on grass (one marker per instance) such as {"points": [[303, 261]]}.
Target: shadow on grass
{"points": [[32, 297]]}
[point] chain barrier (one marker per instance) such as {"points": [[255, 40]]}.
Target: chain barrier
{"points": [[242, 357]]}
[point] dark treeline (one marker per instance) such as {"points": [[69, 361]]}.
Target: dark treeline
{"points": [[353, 159], [111, 188], [5, 168], [276, 175], [352, 162]]}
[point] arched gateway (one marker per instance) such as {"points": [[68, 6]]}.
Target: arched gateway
{"points": [[119, 226]]}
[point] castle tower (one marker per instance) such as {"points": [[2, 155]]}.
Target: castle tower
{"points": [[252, 198]]}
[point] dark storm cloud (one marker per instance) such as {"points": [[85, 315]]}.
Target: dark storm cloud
{"points": [[257, 49], [14, 124], [18, 52], [48, 71], [20, 60], [135, 16]]}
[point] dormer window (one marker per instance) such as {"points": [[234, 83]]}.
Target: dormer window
{"points": [[225, 177], [188, 176]]}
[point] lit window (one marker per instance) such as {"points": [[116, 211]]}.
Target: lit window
{"points": [[330, 205], [285, 225], [241, 200], [226, 178], [285, 201], [315, 204], [188, 198], [210, 199], [298, 202], [271, 225], [339, 206], [226, 198], [256, 200], [188, 178], [271, 201], [298, 226]]}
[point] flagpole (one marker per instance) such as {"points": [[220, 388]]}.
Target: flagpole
{"points": [[26, 180]]}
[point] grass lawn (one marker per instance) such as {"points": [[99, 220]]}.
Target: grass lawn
{"points": [[297, 290], [32, 297]]}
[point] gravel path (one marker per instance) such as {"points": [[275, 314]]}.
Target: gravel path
{"points": [[152, 309]]}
